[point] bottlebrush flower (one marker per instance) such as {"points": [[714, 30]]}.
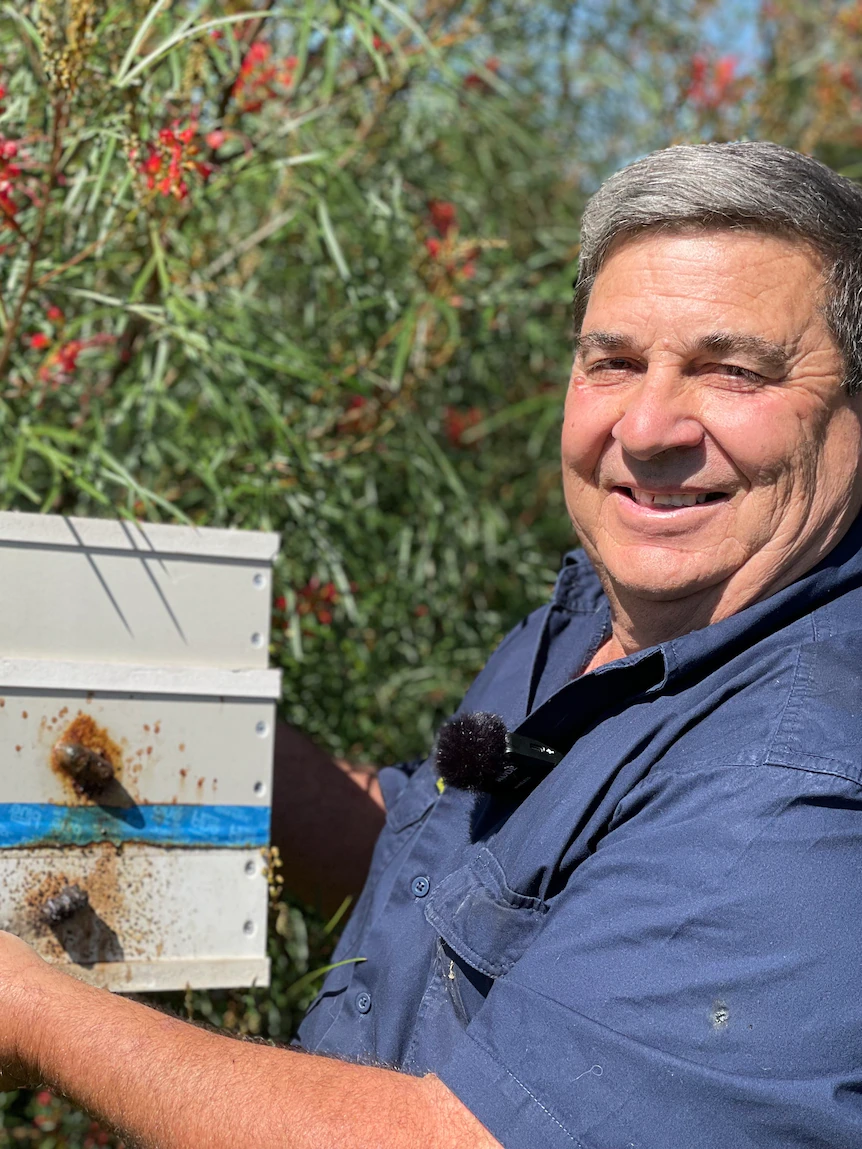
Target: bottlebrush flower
{"points": [[62, 363], [444, 215], [710, 91], [316, 598], [260, 77], [170, 159], [10, 179], [456, 421]]}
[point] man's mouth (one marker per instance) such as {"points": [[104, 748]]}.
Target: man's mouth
{"points": [[671, 500]]}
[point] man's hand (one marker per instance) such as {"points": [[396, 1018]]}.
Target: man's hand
{"points": [[22, 973]]}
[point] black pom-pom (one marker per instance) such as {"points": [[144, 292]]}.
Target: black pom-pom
{"points": [[471, 752]]}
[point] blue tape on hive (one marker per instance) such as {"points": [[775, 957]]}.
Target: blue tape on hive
{"points": [[38, 824]]}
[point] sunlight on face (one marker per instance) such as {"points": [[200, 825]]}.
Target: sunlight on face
{"points": [[708, 446]]}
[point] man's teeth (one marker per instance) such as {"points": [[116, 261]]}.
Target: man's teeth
{"points": [[648, 500]]}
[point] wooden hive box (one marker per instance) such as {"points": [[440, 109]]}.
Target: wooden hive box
{"points": [[136, 735]]}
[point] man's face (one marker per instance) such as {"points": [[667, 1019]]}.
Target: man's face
{"points": [[708, 448]]}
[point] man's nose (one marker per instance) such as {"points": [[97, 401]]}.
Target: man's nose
{"points": [[660, 414]]}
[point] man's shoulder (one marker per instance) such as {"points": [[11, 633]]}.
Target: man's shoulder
{"points": [[820, 726], [792, 699]]}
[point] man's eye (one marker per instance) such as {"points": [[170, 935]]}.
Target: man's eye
{"points": [[611, 365], [736, 372]]}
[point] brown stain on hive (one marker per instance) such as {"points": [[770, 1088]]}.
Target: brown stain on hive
{"points": [[84, 731], [127, 899]]}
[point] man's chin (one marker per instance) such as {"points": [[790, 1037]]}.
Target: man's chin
{"points": [[664, 582]]}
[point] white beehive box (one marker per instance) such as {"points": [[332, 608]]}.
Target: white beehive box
{"points": [[142, 649]]}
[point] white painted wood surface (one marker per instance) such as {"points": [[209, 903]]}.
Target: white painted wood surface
{"points": [[172, 749], [158, 919], [105, 590], [138, 538], [117, 677]]}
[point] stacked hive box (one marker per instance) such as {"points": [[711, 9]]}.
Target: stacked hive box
{"points": [[136, 733]]}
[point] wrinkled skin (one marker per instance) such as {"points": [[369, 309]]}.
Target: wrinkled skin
{"points": [[756, 422]]}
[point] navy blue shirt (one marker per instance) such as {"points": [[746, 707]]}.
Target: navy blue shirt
{"points": [[659, 946]]}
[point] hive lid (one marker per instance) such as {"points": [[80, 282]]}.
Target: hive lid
{"points": [[117, 677], [148, 539]]}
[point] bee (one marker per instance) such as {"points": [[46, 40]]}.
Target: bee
{"points": [[64, 905], [90, 770]]}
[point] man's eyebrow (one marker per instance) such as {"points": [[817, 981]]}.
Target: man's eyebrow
{"points": [[602, 341], [773, 357]]}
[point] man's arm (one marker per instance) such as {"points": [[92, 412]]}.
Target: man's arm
{"points": [[164, 1084], [326, 817]]}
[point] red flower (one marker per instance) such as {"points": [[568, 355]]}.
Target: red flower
{"points": [[457, 421], [170, 158], [39, 341], [280, 603], [10, 173], [215, 139], [317, 600], [432, 246], [54, 314], [63, 361], [444, 215], [709, 92], [474, 80], [258, 76]]}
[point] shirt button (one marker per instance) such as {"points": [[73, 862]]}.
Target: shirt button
{"points": [[420, 886], [363, 1002]]}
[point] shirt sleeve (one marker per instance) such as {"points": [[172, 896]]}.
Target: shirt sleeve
{"points": [[695, 985]]}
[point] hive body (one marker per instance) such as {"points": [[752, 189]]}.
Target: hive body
{"points": [[136, 732]]}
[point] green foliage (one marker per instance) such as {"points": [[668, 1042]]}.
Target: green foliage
{"points": [[306, 267]]}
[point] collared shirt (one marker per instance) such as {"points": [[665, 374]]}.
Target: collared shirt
{"points": [[660, 945]]}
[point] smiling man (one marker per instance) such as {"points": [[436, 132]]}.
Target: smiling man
{"points": [[656, 942]]}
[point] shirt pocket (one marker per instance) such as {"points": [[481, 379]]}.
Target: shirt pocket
{"points": [[483, 927]]}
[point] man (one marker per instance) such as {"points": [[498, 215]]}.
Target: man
{"points": [[655, 943]]}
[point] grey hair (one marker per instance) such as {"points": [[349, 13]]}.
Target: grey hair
{"points": [[758, 186]]}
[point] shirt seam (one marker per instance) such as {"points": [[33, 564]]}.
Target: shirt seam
{"points": [[790, 693], [711, 764], [808, 770], [490, 1053]]}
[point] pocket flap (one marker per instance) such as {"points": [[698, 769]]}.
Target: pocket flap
{"points": [[481, 919]]}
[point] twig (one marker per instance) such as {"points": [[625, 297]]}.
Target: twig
{"points": [[81, 255], [263, 232]]}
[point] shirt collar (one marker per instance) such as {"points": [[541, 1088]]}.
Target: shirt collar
{"points": [[578, 590]]}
